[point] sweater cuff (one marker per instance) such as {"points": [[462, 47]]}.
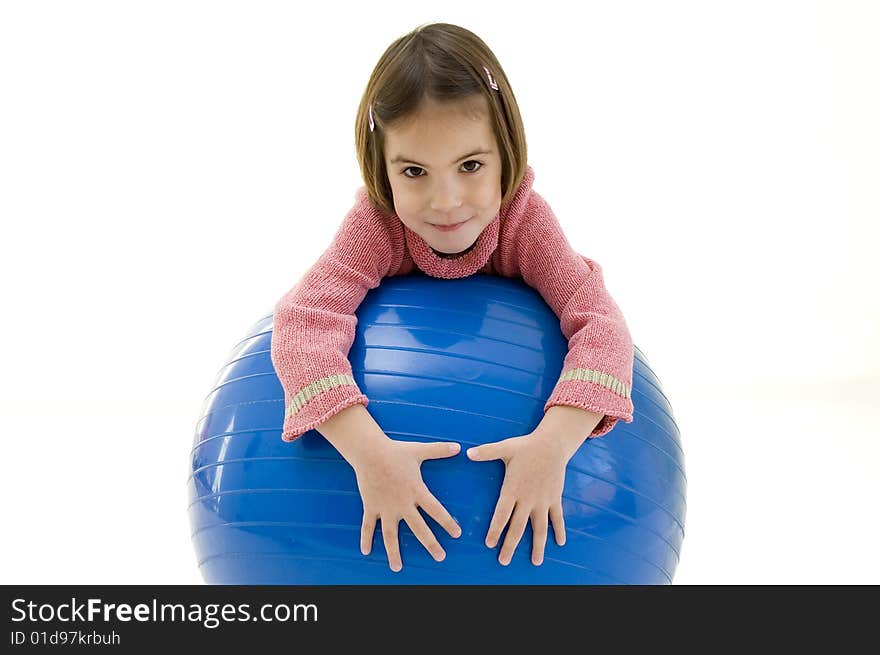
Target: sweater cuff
{"points": [[318, 402], [594, 391]]}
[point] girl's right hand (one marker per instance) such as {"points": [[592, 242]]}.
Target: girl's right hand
{"points": [[389, 478]]}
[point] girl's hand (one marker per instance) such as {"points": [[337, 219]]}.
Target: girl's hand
{"points": [[532, 489], [390, 481]]}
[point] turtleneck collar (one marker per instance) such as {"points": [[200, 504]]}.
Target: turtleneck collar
{"points": [[477, 257]]}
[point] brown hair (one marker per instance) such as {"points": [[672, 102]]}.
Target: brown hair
{"points": [[442, 62]]}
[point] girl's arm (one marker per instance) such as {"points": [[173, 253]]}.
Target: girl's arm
{"points": [[598, 369], [353, 432], [314, 322], [312, 335]]}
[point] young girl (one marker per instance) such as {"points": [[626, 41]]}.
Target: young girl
{"points": [[442, 150]]}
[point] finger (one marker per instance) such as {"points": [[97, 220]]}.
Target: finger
{"points": [[514, 534], [392, 548], [539, 536], [558, 523], [368, 526], [438, 449], [436, 511], [424, 535], [503, 510], [486, 452]]}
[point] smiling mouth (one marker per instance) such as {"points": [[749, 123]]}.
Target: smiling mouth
{"points": [[451, 226]]}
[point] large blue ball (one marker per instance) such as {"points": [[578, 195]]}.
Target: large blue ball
{"points": [[471, 360]]}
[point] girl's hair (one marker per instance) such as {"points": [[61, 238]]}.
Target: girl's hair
{"points": [[440, 62]]}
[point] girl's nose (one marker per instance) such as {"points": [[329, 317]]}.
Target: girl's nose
{"points": [[445, 197]]}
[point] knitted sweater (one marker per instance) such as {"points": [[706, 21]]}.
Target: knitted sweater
{"points": [[314, 322]]}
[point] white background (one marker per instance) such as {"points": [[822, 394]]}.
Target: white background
{"points": [[169, 169]]}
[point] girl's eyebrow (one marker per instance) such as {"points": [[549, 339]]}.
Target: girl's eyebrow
{"points": [[403, 159]]}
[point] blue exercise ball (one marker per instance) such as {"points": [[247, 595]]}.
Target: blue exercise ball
{"points": [[470, 360]]}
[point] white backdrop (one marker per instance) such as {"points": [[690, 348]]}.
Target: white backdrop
{"points": [[169, 169]]}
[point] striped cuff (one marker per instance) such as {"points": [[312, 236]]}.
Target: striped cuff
{"points": [[604, 379], [310, 391]]}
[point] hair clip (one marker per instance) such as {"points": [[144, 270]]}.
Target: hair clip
{"points": [[372, 124], [492, 82]]}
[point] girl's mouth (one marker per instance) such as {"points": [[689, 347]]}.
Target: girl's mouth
{"points": [[449, 228]]}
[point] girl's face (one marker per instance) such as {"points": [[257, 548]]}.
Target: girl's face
{"points": [[445, 172]]}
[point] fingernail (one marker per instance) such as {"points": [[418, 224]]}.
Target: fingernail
{"points": [[453, 447], [504, 562], [470, 451], [396, 567], [457, 532]]}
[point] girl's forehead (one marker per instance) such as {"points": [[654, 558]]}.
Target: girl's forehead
{"points": [[437, 139], [426, 127], [431, 112], [437, 129]]}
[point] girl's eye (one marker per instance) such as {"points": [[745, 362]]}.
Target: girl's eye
{"points": [[469, 161]]}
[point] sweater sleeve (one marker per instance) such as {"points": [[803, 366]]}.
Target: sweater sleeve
{"points": [[314, 323], [598, 368]]}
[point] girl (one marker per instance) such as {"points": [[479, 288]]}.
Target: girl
{"points": [[442, 151]]}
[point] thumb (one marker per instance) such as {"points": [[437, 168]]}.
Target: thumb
{"points": [[439, 449], [485, 452]]}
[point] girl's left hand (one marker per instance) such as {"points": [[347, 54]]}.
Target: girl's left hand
{"points": [[532, 489]]}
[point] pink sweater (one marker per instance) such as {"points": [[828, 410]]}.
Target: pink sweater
{"points": [[314, 322]]}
